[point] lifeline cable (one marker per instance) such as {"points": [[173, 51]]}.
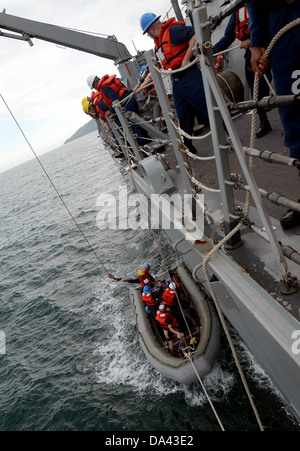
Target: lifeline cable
{"points": [[56, 190]]}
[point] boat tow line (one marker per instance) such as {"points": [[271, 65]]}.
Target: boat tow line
{"points": [[111, 276]]}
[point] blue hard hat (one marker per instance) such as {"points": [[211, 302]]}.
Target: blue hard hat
{"points": [[143, 68], [146, 266], [147, 20], [147, 289]]}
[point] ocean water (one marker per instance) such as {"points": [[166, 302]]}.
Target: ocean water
{"points": [[72, 359]]}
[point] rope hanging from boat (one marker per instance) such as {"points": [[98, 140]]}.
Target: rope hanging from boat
{"points": [[111, 276]]}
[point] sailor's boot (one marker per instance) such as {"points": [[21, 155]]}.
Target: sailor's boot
{"points": [[189, 144], [265, 126], [290, 219]]}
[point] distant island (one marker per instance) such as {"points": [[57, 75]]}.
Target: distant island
{"points": [[89, 127]]}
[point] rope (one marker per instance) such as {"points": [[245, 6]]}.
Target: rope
{"points": [[187, 355], [57, 192], [235, 230]]}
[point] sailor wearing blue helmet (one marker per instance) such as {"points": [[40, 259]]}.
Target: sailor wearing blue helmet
{"points": [[174, 42]]}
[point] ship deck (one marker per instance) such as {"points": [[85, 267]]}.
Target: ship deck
{"points": [[256, 255]]}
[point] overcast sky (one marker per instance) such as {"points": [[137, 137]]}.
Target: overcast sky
{"points": [[44, 84]]}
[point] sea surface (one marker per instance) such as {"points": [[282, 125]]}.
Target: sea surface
{"points": [[72, 360]]}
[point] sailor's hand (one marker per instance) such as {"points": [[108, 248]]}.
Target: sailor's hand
{"points": [[246, 44], [180, 335], [258, 62]]}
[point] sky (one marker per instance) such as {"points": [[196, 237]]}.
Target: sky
{"points": [[43, 85]]}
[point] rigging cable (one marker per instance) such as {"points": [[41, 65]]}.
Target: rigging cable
{"points": [[57, 192]]}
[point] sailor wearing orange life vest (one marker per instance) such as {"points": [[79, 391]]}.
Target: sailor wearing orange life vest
{"points": [[238, 28], [150, 298], [112, 89], [97, 109], [174, 43], [92, 109], [169, 295], [142, 278], [169, 325], [99, 104]]}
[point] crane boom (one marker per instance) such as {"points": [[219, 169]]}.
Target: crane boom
{"points": [[108, 48]]}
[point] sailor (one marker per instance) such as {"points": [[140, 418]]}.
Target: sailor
{"points": [[142, 279], [92, 110], [145, 82], [169, 295], [174, 43], [150, 297], [238, 28], [112, 89], [266, 19], [146, 268], [96, 108], [169, 326], [99, 104]]}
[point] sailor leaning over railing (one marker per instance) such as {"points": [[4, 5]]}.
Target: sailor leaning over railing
{"points": [[113, 89], [174, 43]]}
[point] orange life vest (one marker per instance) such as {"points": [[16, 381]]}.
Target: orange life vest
{"points": [[96, 97], [168, 297], [168, 55], [161, 317], [242, 30], [147, 298], [145, 280], [110, 81]]}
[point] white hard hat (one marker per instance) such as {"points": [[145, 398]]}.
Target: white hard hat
{"points": [[172, 285], [90, 80]]}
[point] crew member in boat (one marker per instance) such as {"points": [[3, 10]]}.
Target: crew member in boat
{"points": [[143, 278], [174, 43], [151, 298], [169, 295], [169, 326], [146, 268], [266, 20], [112, 89], [238, 28]]}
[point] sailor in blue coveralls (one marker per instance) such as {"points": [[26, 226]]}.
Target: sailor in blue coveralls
{"points": [[174, 42], [266, 19]]}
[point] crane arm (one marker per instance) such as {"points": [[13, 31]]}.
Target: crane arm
{"points": [[108, 48]]}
